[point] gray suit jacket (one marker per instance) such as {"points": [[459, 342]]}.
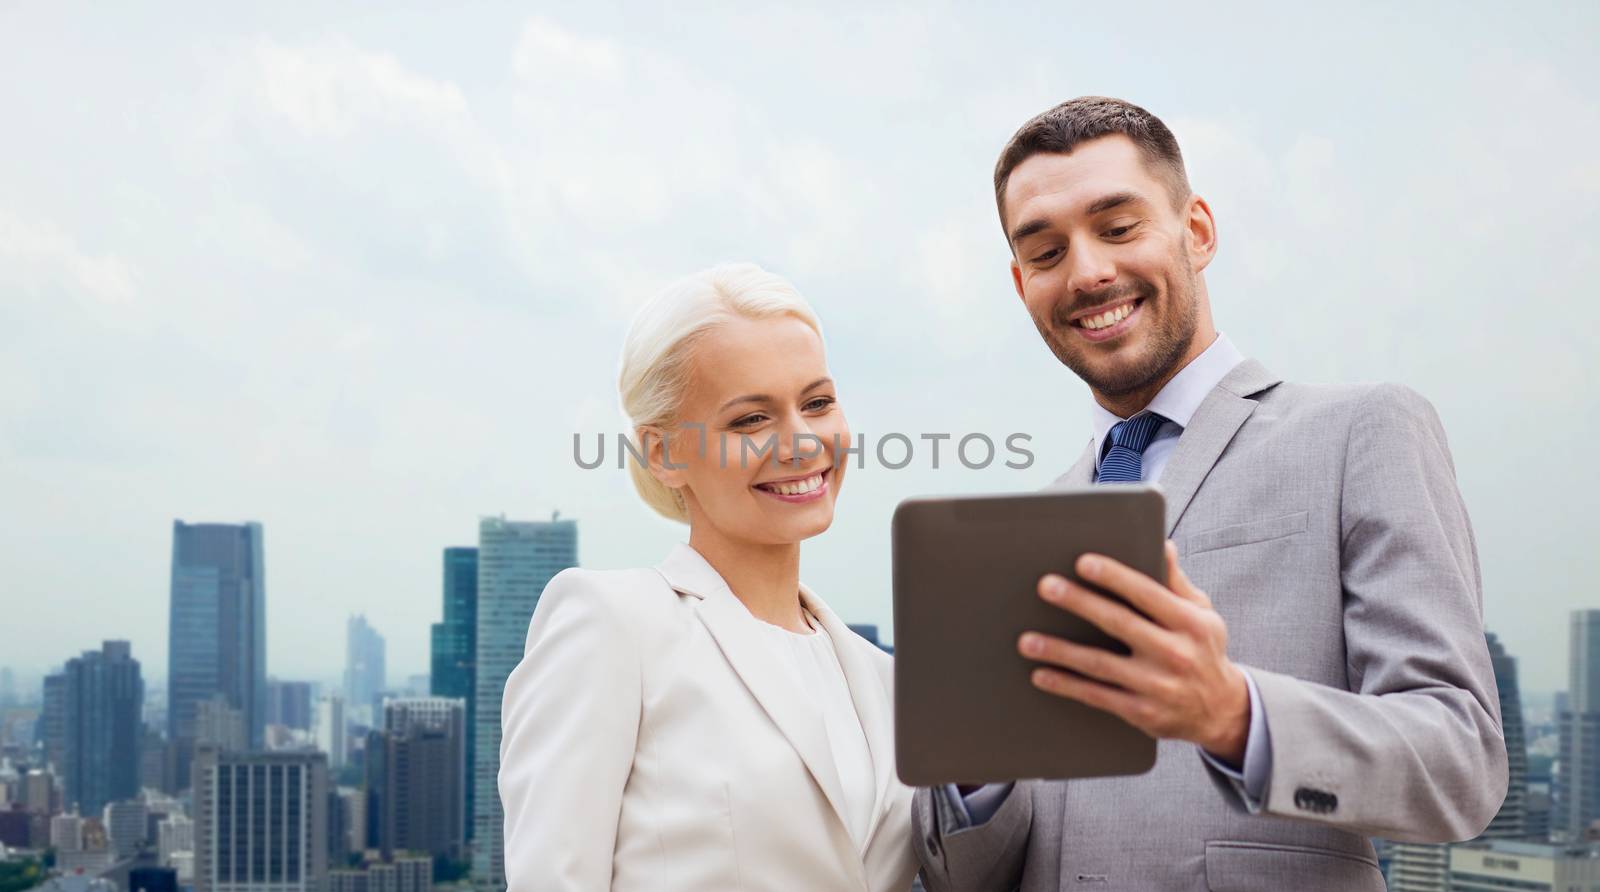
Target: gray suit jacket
{"points": [[1325, 524]]}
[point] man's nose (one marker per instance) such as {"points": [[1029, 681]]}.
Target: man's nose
{"points": [[1089, 269]]}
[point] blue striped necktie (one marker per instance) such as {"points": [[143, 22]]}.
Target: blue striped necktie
{"points": [[1124, 461]]}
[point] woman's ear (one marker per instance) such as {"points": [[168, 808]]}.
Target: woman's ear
{"points": [[664, 462]]}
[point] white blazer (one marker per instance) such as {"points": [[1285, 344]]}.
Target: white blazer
{"points": [[648, 743]]}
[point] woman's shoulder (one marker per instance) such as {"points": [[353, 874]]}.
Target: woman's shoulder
{"points": [[626, 597]]}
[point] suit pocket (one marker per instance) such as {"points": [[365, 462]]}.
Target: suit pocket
{"points": [[1246, 533], [1273, 867]]}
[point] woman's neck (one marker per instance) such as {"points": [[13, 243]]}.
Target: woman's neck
{"points": [[765, 578]]}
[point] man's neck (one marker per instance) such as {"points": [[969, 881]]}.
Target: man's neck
{"points": [[1130, 404]]}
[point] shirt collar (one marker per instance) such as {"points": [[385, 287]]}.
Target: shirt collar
{"points": [[1182, 396]]}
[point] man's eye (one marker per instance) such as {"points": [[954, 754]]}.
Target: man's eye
{"points": [[1047, 256], [1120, 231]]}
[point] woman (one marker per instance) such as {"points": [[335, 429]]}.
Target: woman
{"points": [[709, 723]]}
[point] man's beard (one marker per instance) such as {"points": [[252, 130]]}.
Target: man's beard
{"points": [[1171, 333]]}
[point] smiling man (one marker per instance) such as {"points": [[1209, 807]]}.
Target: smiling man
{"points": [[1315, 668]]}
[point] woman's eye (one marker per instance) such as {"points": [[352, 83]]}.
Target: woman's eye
{"points": [[821, 402], [749, 420]]}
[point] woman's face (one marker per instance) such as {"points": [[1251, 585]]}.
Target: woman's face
{"points": [[762, 470]]}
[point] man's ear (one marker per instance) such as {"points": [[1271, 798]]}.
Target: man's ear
{"points": [[665, 463], [1016, 279], [1201, 233]]}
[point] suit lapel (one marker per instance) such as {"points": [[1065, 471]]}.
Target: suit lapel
{"points": [[728, 621], [1082, 471], [870, 699], [1212, 428]]}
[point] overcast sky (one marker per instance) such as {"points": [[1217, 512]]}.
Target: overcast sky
{"points": [[359, 273]]}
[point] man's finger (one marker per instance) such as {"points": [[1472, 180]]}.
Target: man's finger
{"points": [[1105, 614], [1090, 693], [1178, 581], [1095, 662], [1152, 598]]}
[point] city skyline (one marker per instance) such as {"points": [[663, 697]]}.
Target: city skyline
{"points": [[360, 279]]}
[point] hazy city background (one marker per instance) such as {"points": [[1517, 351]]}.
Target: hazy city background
{"points": [[359, 275]]}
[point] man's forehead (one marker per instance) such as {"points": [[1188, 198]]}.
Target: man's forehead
{"points": [[1068, 182]]}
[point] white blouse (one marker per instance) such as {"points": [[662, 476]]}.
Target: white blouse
{"points": [[810, 660]]}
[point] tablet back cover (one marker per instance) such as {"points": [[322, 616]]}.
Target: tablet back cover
{"points": [[966, 572]]}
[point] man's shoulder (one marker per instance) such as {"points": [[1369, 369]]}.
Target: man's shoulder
{"points": [[1348, 399], [1381, 408]]}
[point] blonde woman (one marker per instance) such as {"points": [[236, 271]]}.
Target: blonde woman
{"points": [[708, 723]]}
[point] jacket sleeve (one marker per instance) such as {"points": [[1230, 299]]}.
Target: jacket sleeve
{"points": [[570, 722], [1414, 750], [957, 857]]}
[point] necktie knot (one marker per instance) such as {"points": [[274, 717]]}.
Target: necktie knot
{"points": [[1124, 459]]}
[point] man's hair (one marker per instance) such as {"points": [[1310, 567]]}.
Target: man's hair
{"points": [[1076, 121]]}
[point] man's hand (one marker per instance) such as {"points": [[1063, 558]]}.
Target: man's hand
{"points": [[1178, 682]]}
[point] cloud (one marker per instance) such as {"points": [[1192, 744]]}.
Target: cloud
{"points": [[38, 257]]}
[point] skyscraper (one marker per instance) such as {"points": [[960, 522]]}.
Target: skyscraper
{"points": [[53, 721], [455, 644], [1425, 867], [364, 675], [421, 775], [217, 629], [289, 704], [104, 696], [1578, 785], [329, 726], [260, 821], [515, 561], [1511, 821]]}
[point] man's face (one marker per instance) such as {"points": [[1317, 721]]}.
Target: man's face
{"points": [[1105, 265]]}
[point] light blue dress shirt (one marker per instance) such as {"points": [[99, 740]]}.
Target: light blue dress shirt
{"points": [[1177, 402]]}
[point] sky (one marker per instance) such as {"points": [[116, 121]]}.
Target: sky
{"points": [[360, 272]]}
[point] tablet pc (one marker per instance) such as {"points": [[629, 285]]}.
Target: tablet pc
{"points": [[966, 574]]}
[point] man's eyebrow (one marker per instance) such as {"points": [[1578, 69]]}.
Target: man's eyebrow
{"points": [[1107, 202], [764, 398], [1099, 205], [1032, 227]]}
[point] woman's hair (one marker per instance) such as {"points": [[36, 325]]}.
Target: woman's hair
{"points": [[657, 356]]}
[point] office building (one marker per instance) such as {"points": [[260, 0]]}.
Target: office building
{"points": [[152, 879], [260, 822], [126, 823], [1503, 864], [365, 675], [174, 834], [218, 724], [329, 726], [515, 561], [52, 730], [454, 651], [103, 699], [289, 704], [403, 874], [1511, 822], [418, 769], [1577, 792], [217, 629]]}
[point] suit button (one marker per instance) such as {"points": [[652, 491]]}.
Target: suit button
{"points": [[1319, 801]]}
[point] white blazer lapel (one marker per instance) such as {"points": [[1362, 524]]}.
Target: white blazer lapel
{"points": [[727, 619], [870, 698]]}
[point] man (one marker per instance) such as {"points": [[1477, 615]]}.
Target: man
{"points": [[1316, 668]]}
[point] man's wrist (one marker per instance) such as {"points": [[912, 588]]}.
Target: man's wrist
{"points": [[1229, 741]]}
